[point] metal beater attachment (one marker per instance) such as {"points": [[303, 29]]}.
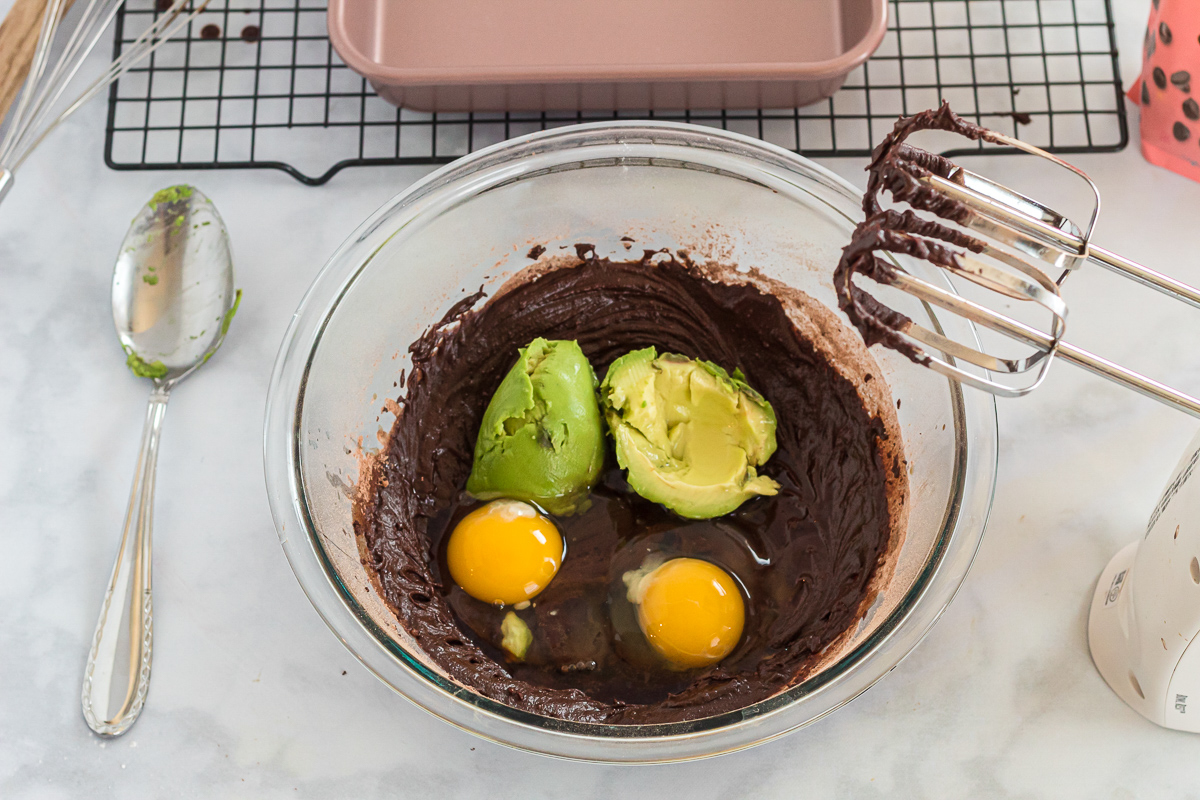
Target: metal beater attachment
{"points": [[1018, 240]]}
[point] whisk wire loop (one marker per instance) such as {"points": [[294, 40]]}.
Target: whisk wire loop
{"points": [[37, 110]]}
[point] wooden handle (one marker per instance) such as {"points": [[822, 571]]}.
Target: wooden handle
{"points": [[18, 39]]}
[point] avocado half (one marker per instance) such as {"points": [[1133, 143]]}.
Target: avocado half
{"points": [[541, 439], [690, 435]]}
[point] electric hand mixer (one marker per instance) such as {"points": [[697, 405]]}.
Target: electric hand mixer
{"points": [[1146, 608]]}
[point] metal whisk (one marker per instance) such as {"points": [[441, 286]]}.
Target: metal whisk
{"points": [[1018, 240], [56, 59]]}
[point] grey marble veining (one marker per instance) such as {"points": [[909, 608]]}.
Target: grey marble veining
{"points": [[253, 697]]}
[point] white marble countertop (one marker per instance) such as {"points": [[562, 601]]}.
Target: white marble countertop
{"points": [[252, 696]]}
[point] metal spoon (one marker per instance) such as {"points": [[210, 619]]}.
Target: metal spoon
{"points": [[172, 302]]}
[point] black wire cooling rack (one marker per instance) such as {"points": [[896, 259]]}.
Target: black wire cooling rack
{"points": [[256, 84]]}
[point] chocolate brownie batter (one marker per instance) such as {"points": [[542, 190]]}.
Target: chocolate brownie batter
{"points": [[897, 167], [810, 559]]}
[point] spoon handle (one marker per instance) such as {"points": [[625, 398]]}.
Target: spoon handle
{"points": [[127, 609]]}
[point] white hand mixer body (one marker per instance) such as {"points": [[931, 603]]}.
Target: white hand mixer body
{"points": [[1145, 613]]}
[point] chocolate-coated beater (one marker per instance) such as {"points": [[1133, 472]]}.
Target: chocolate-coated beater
{"points": [[1020, 239]]}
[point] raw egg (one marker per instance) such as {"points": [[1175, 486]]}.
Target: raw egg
{"points": [[504, 553], [690, 611]]}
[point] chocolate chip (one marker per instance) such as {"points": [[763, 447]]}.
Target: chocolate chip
{"points": [[1145, 94], [1181, 132], [1160, 78], [210, 32], [1021, 118], [1191, 109], [163, 5], [251, 34], [1164, 33], [1182, 79]]}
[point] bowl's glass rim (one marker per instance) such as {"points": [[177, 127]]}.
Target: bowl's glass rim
{"points": [[502, 163]]}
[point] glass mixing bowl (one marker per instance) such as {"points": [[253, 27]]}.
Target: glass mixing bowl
{"points": [[469, 225]]}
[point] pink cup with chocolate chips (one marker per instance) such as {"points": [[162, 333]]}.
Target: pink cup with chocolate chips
{"points": [[1170, 121]]}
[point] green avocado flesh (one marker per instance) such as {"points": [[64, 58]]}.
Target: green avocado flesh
{"points": [[541, 439], [689, 435], [172, 194], [142, 368]]}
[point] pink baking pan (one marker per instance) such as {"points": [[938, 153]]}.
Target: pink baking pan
{"points": [[532, 55]]}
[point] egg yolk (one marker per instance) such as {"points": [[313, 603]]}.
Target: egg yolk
{"points": [[504, 553], [690, 611]]}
